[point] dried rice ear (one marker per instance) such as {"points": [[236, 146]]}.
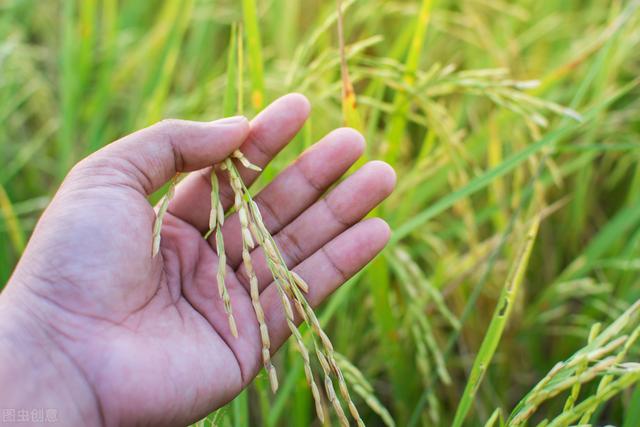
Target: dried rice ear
{"points": [[290, 285], [162, 210], [241, 205]]}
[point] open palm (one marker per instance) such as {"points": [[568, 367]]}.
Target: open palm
{"points": [[149, 336]]}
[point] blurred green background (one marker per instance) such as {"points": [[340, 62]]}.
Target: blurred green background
{"points": [[493, 113]]}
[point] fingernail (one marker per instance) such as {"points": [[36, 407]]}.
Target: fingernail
{"points": [[230, 120]]}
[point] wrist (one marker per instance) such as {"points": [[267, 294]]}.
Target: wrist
{"points": [[41, 382]]}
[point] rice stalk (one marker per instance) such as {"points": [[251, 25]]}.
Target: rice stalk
{"points": [[243, 211], [329, 388], [258, 231], [302, 349], [220, 278], [432, 346], [417, 276], [216, 221], [162, 210], [216, 215], [326, 354], [289, 286]]}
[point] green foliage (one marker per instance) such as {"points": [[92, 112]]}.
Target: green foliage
{"points": [[491, 112]]}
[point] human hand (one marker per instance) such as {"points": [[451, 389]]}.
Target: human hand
{"points": [[94, 326]]}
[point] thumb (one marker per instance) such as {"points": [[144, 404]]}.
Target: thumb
{"points": [[147, 159]]}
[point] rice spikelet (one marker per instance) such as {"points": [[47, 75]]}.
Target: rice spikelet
{"points": [[162, 210], [292, 285], [222, 288]]}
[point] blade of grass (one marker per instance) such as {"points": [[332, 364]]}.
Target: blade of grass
{"points": [[158, 88], [100, 103], [68, 90], [633, 414], [240, 409], [498, 323], [231, 97], [16, 233], [254, 48], [398, 122], [350, 115]]}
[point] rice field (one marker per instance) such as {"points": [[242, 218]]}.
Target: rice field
{"points": [[509, 293]]}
